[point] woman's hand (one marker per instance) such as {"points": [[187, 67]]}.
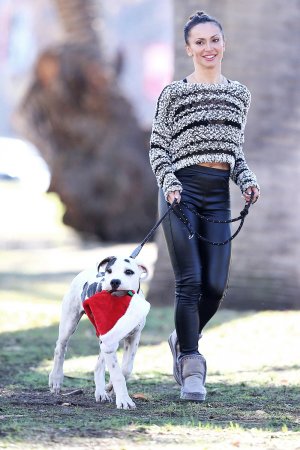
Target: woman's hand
{"points": [[173, 195], [247, 194]]}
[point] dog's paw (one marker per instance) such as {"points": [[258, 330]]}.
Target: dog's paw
{"points": [[109, 389], [102, 396], [55, 382], [125, 402], [55, 389]]}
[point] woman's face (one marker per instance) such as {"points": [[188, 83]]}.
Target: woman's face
{"points": [[206, 45]]}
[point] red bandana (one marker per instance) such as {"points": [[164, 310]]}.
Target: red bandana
{"points": [[104, 310]]}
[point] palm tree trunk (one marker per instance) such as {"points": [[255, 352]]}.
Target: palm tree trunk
{"points": [[80, 20], [87, 132]]}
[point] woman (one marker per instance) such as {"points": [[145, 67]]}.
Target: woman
{"points": [[196, 147]]}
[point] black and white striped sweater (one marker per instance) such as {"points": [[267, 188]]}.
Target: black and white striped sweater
{"points": [[196, 123]]}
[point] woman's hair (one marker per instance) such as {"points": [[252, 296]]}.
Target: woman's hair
{"points": [[195, 19]]}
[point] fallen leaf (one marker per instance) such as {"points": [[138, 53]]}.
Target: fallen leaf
{"points": [[141, 396]]}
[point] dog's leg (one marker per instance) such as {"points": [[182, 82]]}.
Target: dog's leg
{"points": [[131, 343], [109, 388], [68, 323], [99, 376], [123, 401]]}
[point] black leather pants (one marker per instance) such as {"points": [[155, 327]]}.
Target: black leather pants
{"points": [[201, 269]]}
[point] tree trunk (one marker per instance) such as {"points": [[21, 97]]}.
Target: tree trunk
{"points": [[265, 269], [81, 21], [87, 132]]}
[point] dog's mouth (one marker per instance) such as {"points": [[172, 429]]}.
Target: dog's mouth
{"points": [[118, 292]]}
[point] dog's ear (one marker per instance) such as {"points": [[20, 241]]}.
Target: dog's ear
{"points": [[144, 271], [106, 261]]}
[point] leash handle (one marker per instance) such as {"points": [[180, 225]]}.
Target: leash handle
{"points": [[193, 233], [243, 213]]}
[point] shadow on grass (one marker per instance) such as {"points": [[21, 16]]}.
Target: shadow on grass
{"points": [[29, 278], [30, 412], [39, 414], [37, 285], [24, 349]]}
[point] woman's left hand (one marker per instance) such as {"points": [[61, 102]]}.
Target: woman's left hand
{"points": [[247, 194]]}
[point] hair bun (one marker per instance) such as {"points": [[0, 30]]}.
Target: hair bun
{"points": [[197, 14]]}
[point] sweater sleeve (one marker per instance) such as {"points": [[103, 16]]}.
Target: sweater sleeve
{"points": [[242, 175], [160, 140]]}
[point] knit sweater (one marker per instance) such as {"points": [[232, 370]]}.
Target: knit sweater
{"points": [[200, 123]]}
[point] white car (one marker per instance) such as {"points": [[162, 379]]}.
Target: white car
{"points": [[20, 160]]}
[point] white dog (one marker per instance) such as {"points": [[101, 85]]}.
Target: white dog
{"points": [[116, 275]]}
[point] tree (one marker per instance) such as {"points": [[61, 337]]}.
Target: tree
{"points": [[86, 130], [265, 271]]}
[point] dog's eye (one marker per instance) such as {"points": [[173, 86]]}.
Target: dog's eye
{"points": [[129, 272], [108, 270]]}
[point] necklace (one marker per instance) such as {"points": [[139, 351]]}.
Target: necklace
{"points": [[223, 80]]}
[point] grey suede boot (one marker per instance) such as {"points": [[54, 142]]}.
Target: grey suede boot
{"points": [[174, 346], [193, 374]]}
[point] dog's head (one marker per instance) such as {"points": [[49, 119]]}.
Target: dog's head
{"points": [[121, 274]]}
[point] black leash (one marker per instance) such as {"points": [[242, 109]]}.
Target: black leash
{"points": [[180, 214], [137, 250]]}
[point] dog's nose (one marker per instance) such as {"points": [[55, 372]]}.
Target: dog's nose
{"points": [[115, 283]]}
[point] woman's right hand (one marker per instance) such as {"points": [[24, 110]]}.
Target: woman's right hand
{"points": [[173, 195]]}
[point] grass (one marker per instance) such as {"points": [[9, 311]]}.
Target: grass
{"points": [[253, 364]]}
